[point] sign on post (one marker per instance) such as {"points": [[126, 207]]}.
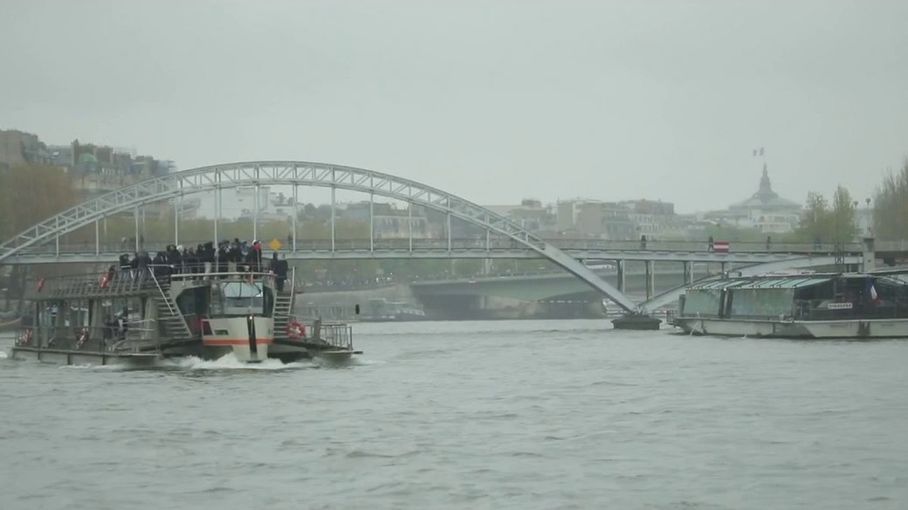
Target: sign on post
{"points": [[720, 246]]}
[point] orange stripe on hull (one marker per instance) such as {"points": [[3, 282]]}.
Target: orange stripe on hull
{"points": [[236, 341]]}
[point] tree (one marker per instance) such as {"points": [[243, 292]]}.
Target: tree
{"points": [[844, 228], [825, 223], [31, 193], [814, 220], [890, 209]]}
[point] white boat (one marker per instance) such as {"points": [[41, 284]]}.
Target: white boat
{"points": [[805, 305], [141, 316]]}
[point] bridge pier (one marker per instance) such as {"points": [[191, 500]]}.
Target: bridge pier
{"points": [[650, 280], [622, 279], [869, 256]]}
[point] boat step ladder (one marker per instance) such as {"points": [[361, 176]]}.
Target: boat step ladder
{"points": [[283, 306], [173, 324]]}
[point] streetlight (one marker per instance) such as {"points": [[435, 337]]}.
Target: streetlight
{"points": [[869, 218]]}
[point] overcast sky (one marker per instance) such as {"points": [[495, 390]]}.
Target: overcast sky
{"points": [[492, 100]]}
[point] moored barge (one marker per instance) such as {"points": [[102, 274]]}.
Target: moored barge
{"points": [[805, 305]]}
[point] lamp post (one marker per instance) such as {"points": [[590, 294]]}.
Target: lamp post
{"points": [[869, 218]]}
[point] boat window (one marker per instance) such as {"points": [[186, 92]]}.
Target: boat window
{"points": [[702, 302], [761, 302], [240, 298]]}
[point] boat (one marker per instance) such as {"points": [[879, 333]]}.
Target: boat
{"points": [[384, 310], [140, 316], [801, 305]]}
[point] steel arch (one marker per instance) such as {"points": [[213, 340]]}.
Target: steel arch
{"points": [[302, 173]]}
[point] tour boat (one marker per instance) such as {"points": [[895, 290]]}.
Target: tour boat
{"points": [[139, 316], [803, 305]]}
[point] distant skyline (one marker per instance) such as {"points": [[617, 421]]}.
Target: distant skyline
{"points": [[493, 101]]}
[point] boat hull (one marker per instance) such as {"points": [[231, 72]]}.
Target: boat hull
{"points": [[75, 357], [249, 342], [873, 328]]}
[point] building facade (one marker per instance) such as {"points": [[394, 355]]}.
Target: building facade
{"points": [[765, 211]]}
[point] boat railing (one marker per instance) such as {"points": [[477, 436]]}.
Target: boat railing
{"points": [[104, 283], [104, 338], [215, 275], [164, 297], [337, 335]]}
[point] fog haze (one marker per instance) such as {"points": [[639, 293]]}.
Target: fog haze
{"points": [[494, 101]]}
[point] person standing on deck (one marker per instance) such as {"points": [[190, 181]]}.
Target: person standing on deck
{"points": [[279, 268], [233, 255]]}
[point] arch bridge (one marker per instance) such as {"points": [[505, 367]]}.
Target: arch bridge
{"points": [[42, 242], [298, 173]]}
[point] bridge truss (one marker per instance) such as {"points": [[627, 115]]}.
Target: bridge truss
{"points": [[297, 173]]}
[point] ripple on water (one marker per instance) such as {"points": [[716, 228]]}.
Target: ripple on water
{"points": [[484, 415]]}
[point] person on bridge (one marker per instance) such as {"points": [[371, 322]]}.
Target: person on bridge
{"points": [[709, 244], [643, 242]]}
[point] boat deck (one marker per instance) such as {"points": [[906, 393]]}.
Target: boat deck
{"points": [[78, 357]]}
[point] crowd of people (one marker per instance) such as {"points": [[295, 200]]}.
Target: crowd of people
{"points": [[203, 259]]}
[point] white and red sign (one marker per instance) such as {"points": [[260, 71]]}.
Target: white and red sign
{"points": [[720, 246]]}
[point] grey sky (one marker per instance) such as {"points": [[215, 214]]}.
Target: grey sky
{"points": [[493, 100]]}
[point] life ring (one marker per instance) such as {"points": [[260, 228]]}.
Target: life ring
{"points": [[83, 336], [104, 280], [25, 338], [296, 330]]}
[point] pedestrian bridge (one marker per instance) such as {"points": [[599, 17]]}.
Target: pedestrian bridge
{"points": [[44, 242]]}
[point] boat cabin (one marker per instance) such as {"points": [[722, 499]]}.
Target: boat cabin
{"points": [[798, 297]]}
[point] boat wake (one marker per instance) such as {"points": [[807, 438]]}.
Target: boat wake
{"points": [[230, 362]]}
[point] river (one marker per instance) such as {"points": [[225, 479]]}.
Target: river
{"points": [[497, 415]]}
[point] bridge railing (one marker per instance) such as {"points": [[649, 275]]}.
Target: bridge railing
{"points": [[470, 244]]}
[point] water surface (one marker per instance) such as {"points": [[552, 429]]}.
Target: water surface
{"points": [[511, 414]]}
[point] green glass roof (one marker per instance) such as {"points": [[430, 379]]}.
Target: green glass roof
{"points": [[718, 284], [781, 282]]}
